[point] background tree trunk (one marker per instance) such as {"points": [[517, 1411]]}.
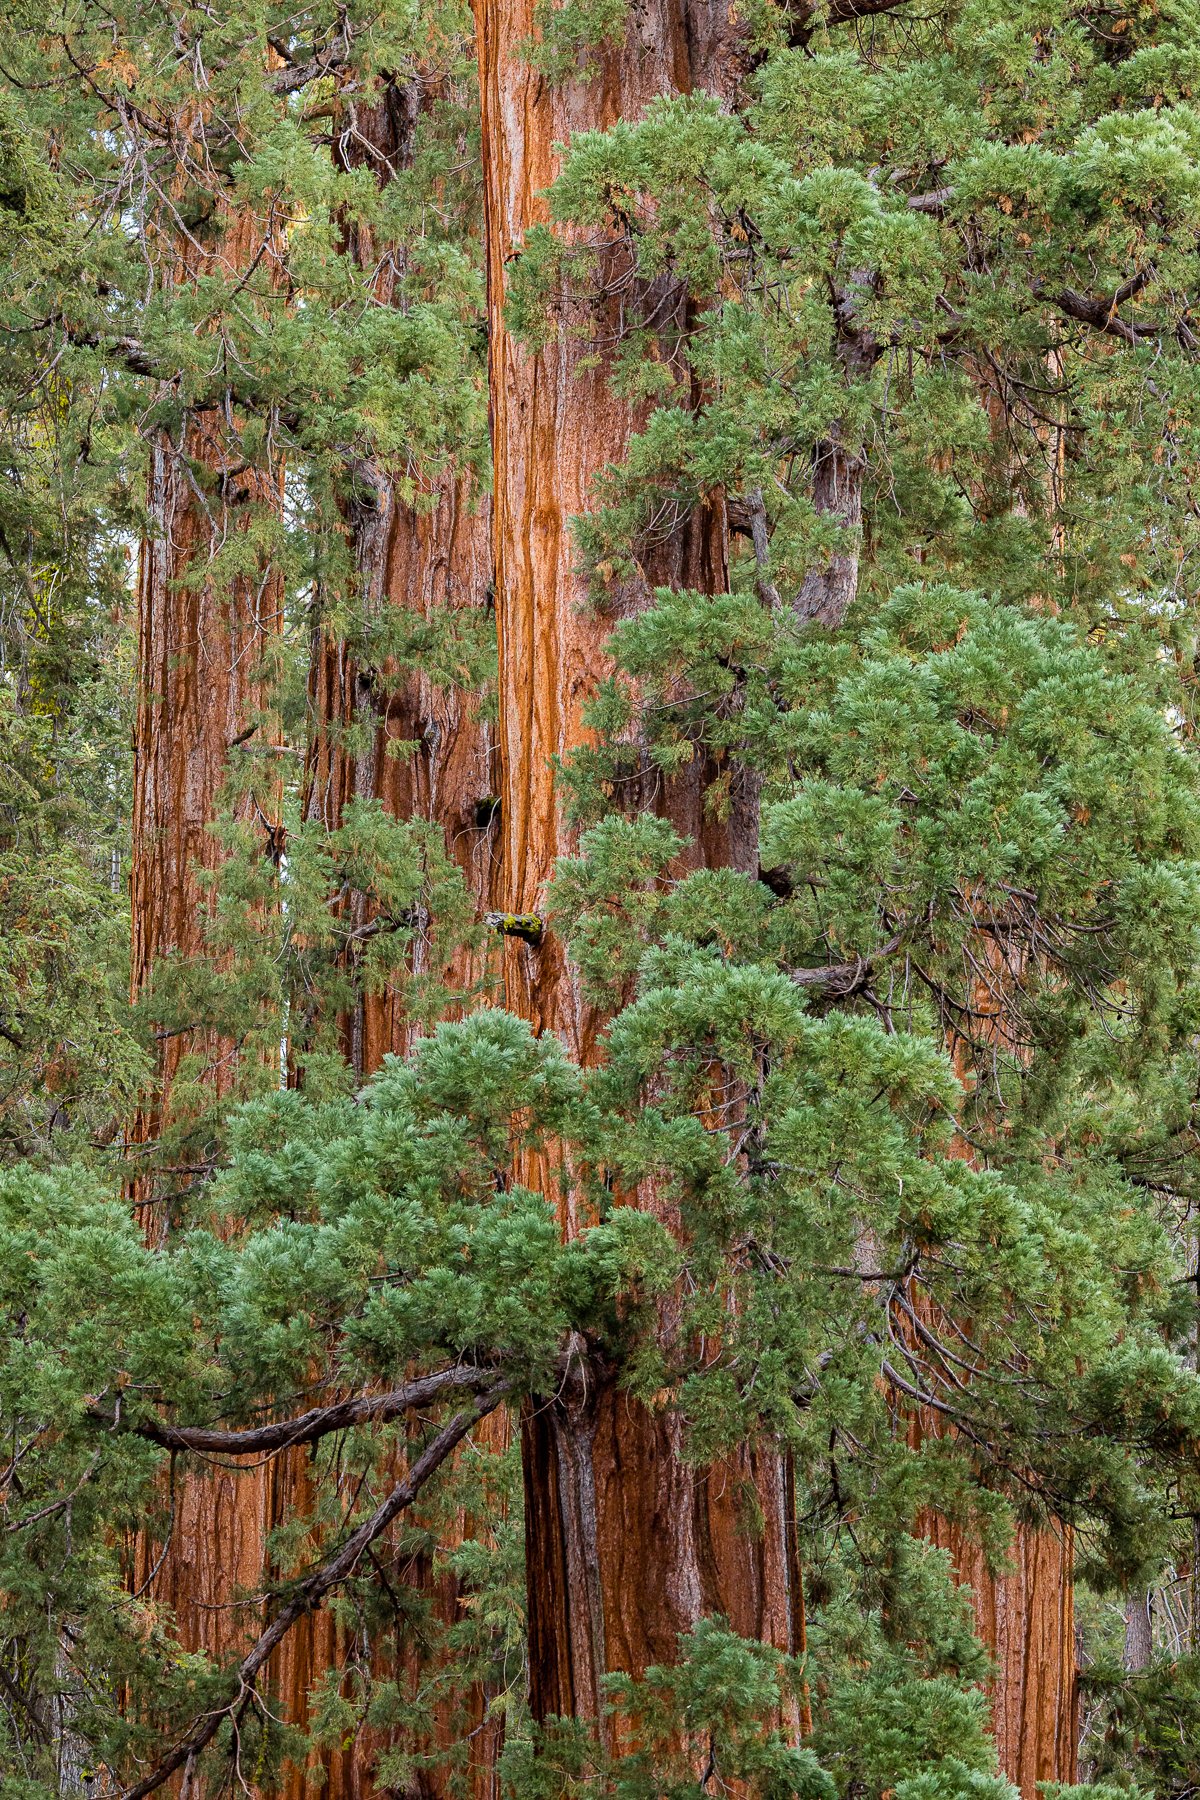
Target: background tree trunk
{"points": [[427, 562], [1139, 1636], [1026, 1620], [207, 663], [207, 660]]}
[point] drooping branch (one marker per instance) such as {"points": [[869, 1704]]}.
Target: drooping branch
{"points": [[317, 1585]]}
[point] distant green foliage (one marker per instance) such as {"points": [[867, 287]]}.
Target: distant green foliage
{"points": [[1145, 1731]]}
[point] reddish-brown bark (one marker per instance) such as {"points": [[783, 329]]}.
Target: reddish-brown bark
{"points": [[426, 561], [207, 656], [627, 1544], [1026, 1619], [622, 1547], [203, 743], [555, 425]]}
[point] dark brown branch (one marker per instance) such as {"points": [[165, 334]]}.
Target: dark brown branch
{"points": [[1101, 314], [129, 352], [748, 515], [838, 12], [297, 73], [521, 925], [844, 12], [320, 1582], [936, 202], [839, 980], [307, 1427]]}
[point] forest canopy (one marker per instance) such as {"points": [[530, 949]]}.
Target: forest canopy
{"points": [[599, 899]]}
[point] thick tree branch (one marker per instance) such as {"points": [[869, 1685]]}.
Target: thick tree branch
{"points": [[307, 1427], [1100, 311], [748, 514], [129, 352], [840, 980], [837, 12], [302, 68], [317, 1585]]}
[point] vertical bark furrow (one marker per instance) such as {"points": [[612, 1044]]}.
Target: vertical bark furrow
{"points": [[616, 1507]]}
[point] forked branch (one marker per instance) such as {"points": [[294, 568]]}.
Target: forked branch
{"points": [[316, 1586]]}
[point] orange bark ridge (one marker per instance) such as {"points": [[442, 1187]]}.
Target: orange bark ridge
{"points": [[426, 561], [627, 1543]]}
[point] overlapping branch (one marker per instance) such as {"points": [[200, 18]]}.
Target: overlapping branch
{"points": [[307, 1427], [318, 1584]]}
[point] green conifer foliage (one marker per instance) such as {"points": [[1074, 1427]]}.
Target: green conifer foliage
{"points": [[917, 1098]]}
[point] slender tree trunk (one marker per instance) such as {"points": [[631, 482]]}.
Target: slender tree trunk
{"points": [[1139, 1637], [627, 1544]]}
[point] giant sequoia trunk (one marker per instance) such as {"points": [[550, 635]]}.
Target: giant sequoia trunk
{"points": [[627, 1544], [624, 1545], [428, 563], [1025, 1618], [207, 661]]}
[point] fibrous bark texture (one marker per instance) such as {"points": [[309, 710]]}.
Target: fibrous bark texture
{"points": [[425, 562], [207, 652], [428, 562], [203, 743], [1026, 1619], [627, 1544]]}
